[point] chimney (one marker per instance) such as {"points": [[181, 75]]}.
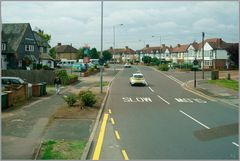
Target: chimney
{"points": [[59, 44], [170, 46], [147, 46], [163, 45], [126, 47], [111, 47], [178, 45]]}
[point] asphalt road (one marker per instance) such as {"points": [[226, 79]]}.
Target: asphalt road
{"points": [[165, 121]]}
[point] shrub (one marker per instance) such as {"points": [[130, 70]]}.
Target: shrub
{"points": [[72, 76], [39, 66], [163, 67], [87, 98], [91, 69], [70, 99], [62, 74], [45, 67]]}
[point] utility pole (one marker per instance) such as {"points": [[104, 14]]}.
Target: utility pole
{"points": [[101, 54], [203, 55]]}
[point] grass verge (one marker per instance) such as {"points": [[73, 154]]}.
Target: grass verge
{"points": [[231, 84], [104, 84], [61, 149]]}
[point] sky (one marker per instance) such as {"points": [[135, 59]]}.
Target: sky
{"points": [[154, 23]]}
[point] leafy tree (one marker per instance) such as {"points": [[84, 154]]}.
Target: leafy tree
{"points": [[233, 52], [155, 61], [45, 36], [52, 53], [80, 53], [94, 54], [146, 59], [107, 55]]}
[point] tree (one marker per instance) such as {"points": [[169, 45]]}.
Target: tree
{"points": [[45, 36], [52, 53], [107, 55], [233, 52], [80, 54], [146, 59], [155, 61], [94, 54]]}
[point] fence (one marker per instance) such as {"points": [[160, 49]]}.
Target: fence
{"points": [[31, 76]]}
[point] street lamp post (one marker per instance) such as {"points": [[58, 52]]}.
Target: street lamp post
{"points": [[114, 42], [101, 54]]}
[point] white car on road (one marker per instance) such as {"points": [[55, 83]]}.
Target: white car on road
{"points": [[137, 79], [127, 65]]}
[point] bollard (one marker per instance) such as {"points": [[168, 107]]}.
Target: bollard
{"points": [[229, 76]]}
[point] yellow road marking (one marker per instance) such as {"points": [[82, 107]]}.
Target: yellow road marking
{"points": [[100, 138], [124, 153], [112, 120], [110, 112], [117, 135]]}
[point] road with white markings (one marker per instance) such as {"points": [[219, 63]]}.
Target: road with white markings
{"points": [[165, 121]]}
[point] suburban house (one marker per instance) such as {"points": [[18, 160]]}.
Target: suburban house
{"points": [[179, 52], [215, 53], [123, 54], [191, 53], [162, 52], [66, 52], [19, 47], [44, 47]]}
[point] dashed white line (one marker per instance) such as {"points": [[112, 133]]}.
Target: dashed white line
{"points": [[163, 99], [194, 119], [235, 144], [151, 89]]}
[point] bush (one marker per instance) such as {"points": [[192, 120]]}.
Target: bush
{"points": [[62, 74], [72, 76], [39, 66], [45, 67], [163, 67], [87, 98], [70, 99], [91, 69]]}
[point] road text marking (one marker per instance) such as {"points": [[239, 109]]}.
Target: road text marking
{"points": [[194, 119], [137, 99], [117, 135], [163, 99], [112, 120], [124, 153], [100, 138], [235, 144], [151, 89]]}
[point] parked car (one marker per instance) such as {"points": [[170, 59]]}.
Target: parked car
{"points": [[14, 81], [137, 79], [78, 67], [127, 65]]}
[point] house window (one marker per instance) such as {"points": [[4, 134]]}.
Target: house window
{"points": [[4, 46], [41, 49], [29, 47]]}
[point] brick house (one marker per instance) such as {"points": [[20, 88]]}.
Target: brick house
{"points": [[19, 47], [65, 52], [123, 54]]}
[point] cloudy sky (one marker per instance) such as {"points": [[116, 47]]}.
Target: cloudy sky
{"points": [[170, 22]]}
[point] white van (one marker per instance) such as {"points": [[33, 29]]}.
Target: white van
{"points": [[66, 63]]}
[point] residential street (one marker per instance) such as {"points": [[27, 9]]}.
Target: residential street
{"points": [[165, 121]]}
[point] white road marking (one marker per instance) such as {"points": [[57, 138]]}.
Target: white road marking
{"points": [[194, 119], [175, 79], [235, 144], [163, 99], [190, 100], [137, 99], [151, 89]]}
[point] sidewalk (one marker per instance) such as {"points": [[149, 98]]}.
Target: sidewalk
{"points": [[23, 129], [227, 95]]}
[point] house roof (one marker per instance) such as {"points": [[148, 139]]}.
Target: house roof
{"points": [[65, 49], [40, 40], [12, 33], [45, 56], [162, 48], [180, 48], [122, 50], [215, 43]]}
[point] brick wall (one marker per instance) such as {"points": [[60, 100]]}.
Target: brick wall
{"points": [[219, 63]]}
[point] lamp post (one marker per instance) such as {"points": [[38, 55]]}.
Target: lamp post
{"points": [[101, 54], [114, 43]]}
